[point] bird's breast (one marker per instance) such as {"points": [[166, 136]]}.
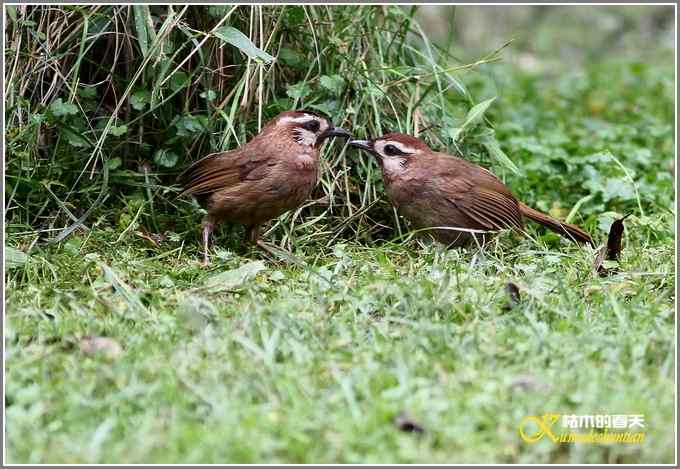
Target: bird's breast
{"points": [[307, 166], [307, 161]]}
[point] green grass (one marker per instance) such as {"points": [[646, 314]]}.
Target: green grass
{"points": [[313, 364], [313, 358]]}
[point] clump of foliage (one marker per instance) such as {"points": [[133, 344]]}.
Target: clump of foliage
{"points": [[106, 104]]}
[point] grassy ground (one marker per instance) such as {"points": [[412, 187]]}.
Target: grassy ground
{"points": [[316, 358]]}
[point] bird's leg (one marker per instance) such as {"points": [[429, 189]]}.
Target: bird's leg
{"points": [[253, 234], [207, 226]]}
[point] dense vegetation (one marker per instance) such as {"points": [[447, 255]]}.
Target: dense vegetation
{"points": [[107, 101], [312, 357]]}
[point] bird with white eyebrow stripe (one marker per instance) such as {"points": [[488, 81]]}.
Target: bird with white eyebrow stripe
{"points": [[460, 202], [274, 172]]}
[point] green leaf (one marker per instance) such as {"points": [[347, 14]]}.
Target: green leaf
{"points": [[140, 99], [12, 12], [474, 116], [74, 138], [179, 80], [165, 158], [218, 11], [298, 90], [236, 278], [477, 112], [455, 132], [277, 276], [295, 15], [189, 125], [140, 12], [60, 108], [114, 163], [36, 118], [291, 58], [494, 149], [117, 131], [14, 257], [333, 83], [239, 40], [330, 108], [87, 92], [618, 189]]}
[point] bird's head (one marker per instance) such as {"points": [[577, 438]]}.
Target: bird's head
{"points": [[306, 128], [394, 151]]}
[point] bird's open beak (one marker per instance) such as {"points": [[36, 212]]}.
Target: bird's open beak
{"points": [[333, 132], [363, 144]]}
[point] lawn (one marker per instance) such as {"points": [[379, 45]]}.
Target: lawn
{"points": [[360, 344]]}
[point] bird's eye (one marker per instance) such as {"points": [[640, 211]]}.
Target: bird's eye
{"points": [[312, 126], [391, 150]]}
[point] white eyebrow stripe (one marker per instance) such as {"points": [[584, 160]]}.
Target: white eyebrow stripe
{"points": [[297, 120], [400, 146]]}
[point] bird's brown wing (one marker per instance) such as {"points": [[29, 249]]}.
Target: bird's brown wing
{"points": [[492, 210], [480, 195], [221, 170]]}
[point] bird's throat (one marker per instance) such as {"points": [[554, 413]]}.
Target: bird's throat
{"points": [[393, 166]]}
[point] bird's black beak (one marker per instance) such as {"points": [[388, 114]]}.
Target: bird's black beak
{"points": [[363, 145], [333, 132]]}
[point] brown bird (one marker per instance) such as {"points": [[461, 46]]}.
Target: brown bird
{"points": [[274, 172], [462, 199]]}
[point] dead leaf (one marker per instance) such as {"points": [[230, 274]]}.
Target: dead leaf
{"points": [[599, 260], [155, 238], [612, 251], [513, 295], [527, 382], [407, 424], [614, 239], [104, 345]]}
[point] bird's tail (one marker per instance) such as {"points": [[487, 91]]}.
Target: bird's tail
{"points": [[566, 230]]}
